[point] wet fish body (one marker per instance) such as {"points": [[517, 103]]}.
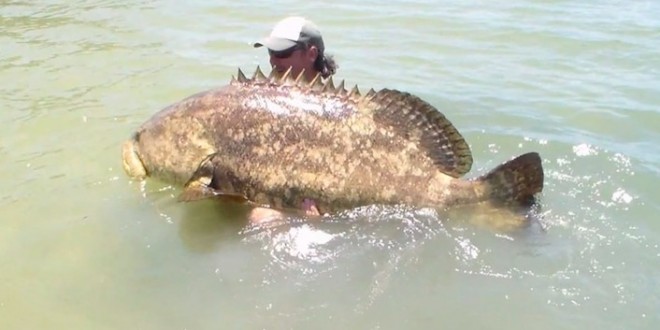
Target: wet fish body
{"points": [[276, 140]]}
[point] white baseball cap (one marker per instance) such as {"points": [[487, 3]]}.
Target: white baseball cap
{"points": [[290, 32]]}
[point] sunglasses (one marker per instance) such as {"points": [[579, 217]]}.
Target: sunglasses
{"points": [[284, 53]]}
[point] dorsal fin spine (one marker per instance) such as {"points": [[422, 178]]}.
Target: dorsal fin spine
{"points": [[355, 92], [340, 89], [300, 78], [259, 75], [286, 75], [329, 86], [273, 76], [316, 79], [241, 76]]}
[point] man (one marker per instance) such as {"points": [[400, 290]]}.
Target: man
{"points": [[297, 43]]}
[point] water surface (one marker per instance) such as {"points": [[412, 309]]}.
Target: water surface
{"points": [[84, 247]]}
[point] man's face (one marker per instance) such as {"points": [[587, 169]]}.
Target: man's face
{"points": [[297, 57]]}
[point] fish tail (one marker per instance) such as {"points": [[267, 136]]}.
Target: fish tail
{"points": [[516, 181]]}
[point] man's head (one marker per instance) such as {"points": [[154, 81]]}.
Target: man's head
{"points": [[297, 43]]}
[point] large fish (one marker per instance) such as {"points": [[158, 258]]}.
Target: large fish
{"points": [[278, 141]]}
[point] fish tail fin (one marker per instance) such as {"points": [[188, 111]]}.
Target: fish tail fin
{"points": [[516, 181]]}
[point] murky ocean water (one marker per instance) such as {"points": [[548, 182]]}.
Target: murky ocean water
{"points": [[84, 247]]}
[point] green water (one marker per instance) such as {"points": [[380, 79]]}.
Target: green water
{"points": [[83, 247]]}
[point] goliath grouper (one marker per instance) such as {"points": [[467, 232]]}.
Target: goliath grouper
{"points": [[278, 141]]}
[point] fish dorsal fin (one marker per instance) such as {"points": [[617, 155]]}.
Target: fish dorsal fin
{"points": [[369, 94], [241, 76], [287, 75], [316, 83], [300, 79], [329, 86], [415, 119], [273, 76], [289, 79], [355, 92], [340, 89], [259, 75]]}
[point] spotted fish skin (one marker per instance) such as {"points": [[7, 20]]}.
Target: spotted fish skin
{"points": [[276, 140]]}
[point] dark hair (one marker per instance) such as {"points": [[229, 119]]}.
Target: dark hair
{"points": [[325, 64]]}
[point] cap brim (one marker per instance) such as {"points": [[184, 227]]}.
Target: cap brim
{"points": [[276, 44]]}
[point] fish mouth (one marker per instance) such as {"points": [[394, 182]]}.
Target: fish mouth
{"points": [[131, 160]]}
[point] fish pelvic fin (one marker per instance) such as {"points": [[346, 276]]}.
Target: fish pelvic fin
{"points": [[204, 184], [515, 182]]}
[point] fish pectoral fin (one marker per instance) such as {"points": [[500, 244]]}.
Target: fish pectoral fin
{"points": [[197, 192], [203, 185]]}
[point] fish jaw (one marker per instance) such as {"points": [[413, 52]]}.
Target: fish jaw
{"points": [[131, 161]]}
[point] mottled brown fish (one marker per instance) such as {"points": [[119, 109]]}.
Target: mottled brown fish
{"points": [[274, 141]]}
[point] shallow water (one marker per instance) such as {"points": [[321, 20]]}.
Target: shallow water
{"points": [[84, 247]]}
